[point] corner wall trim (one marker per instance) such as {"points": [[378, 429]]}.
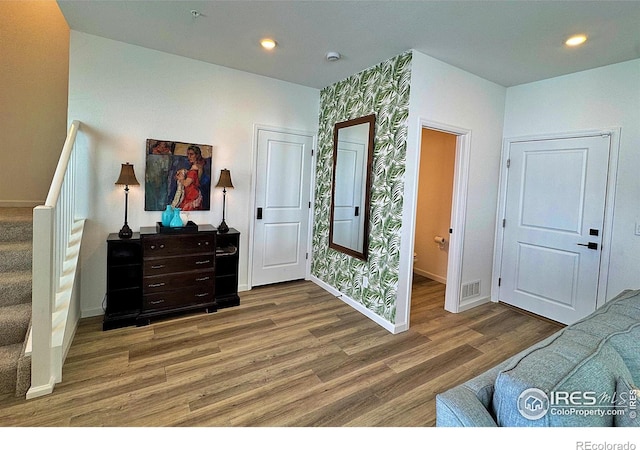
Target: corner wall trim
{"points": [[384, 323]]}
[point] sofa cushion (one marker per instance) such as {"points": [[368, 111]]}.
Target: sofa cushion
{"points": [[555, 371], [628, 346], [470, 404], [619, 322], [584, 360], [628, 399], [588, 353]]}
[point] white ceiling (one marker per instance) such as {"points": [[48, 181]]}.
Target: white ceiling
{"points": [[508, 42]]}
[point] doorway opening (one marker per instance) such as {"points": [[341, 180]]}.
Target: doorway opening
{"points": [[433, 214]]}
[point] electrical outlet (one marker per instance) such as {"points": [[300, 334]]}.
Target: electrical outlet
{"points": [[637, 229], [365, 282]]}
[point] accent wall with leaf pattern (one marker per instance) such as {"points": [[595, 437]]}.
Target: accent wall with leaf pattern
{"points": [[384, 91]]}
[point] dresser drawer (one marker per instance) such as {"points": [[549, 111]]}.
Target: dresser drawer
{"points": [[200, 279], [159, 266], [189, 297], [158, 245]]}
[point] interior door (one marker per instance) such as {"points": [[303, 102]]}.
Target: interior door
{"points": [[555, 205], [281, 219], [348, 225]]}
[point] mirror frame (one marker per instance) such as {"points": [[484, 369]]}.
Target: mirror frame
{"points": [[371, 120]]}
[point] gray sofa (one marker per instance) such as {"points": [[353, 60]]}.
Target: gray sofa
{"points": [[584, 375]]}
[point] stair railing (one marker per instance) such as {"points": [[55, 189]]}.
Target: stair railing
{"points": [[55, 265]]}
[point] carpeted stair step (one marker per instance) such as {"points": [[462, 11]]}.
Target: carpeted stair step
{"points": [[14, 323], [15, 288], [16, 224], [16, 234], [15, 256], [9, 357]]}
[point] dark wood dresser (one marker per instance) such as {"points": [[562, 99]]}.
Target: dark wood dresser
{"points": [[178, 272], [159, 274], [124, 281], [227, 252]]}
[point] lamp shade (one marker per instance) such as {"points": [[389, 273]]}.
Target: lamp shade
{"points": [[225, 179], [127, 176]]}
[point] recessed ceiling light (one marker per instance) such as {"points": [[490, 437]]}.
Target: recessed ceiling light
{"points": [[576, 40], [268, 44]]}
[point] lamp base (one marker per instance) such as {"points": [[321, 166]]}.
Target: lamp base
{"points": [[223, 227], [125, 232]]}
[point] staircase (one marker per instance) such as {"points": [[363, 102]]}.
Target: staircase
{"points": [[16, 231]]}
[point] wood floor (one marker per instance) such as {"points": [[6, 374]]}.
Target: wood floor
{"points": [[290, 355]]}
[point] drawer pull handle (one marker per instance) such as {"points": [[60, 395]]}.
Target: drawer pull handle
{"points": [[158, 266], [156, 285], [156, 302], [202, 279], [203, 262], [206, 294], [161, 245]]}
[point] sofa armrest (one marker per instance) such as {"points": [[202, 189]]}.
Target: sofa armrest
{"points": [[461, 407], [469, 404]]}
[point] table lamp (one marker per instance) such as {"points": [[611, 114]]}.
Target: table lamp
{"points": [[127, 178], [224, 182]]}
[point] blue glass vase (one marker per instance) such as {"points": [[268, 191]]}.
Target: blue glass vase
{"points": [[176, 220], [167, 215]]}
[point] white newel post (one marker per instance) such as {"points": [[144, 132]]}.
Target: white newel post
{"points": [[42, 380]]}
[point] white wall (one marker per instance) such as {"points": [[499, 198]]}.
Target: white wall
{"points": [[601, 98], [124, 94], [444, 94]]}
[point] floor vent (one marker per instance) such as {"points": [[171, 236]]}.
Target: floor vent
{"points": [[471, 289]]}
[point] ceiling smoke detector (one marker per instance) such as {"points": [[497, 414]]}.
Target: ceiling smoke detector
{"points": [[333, 56]]}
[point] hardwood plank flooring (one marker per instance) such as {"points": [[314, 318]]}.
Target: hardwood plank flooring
{"points": [[290, 355]]}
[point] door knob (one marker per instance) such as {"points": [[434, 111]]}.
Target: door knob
{"points": [[591, 245], [259, 215]]}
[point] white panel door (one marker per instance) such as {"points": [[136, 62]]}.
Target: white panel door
{"points": [[555, 204], [281, 227], [348, 223]]}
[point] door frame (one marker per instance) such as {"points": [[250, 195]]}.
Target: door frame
{"points": [[458, 218], [607, 232], [253, 186]]}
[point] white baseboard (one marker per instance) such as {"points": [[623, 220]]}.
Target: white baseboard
{"points": [[433, 276], [384, 323], [39, 391], [91, 313], [468, 304], [20, 203]]}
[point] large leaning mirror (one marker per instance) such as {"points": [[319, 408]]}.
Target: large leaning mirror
{"points": [[352, 159]]}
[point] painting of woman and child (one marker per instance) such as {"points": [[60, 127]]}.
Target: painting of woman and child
{"points": [[177, 174]]}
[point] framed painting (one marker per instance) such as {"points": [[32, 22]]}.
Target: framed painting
{"points": [[177, 174]]}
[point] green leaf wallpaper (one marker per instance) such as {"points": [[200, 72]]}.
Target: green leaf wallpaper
{"points": [[384, 91]]}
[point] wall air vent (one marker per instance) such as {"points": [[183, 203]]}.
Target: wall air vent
{"points": [[471, 289]]}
